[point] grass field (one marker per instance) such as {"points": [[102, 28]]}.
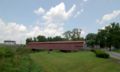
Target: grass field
{"points": [[74, 62]]}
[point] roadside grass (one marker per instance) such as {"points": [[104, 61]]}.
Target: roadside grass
{"points": [[118, 51], [27, 65], [17, 61], [83, 61]]}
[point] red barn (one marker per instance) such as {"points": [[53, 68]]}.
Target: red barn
{"points": [[57, 45]]}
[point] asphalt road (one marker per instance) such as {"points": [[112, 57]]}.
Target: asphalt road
{"points": [[113, 54]]}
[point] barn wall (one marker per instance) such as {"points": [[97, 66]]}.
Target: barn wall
{"points": [[57, 46]]}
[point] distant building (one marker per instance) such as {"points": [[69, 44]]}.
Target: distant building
{"points": [[9, 42]]}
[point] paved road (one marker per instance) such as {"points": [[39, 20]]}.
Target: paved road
{"points": [[113, 54]]}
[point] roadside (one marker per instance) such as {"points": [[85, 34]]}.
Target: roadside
{"points": [[114, 54], [117, 51], [116, 60]]}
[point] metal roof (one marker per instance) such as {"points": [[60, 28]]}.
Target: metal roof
{"points": [[9, 41], [58, 42]]}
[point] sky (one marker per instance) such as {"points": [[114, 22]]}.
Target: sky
{"points": [[20, 19]]}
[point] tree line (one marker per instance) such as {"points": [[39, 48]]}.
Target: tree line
{"points": [[107, 37], [73, 35]]}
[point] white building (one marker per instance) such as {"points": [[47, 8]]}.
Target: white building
{"points": [[9, 42]]}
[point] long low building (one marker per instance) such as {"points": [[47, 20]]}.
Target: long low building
{"points": [[57, 45]]}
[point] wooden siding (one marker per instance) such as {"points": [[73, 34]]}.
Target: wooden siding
{"points": [[60, 45]]}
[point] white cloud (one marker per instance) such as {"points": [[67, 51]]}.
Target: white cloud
{"points": [[55, 18], [12, 31], [97, 20], [1, 24], [81, 8], [53, 26], [12, 27], [54, 31], [34, 32], [39, 11], [82, 32], [79, 12], [15, 27], [19, 32], [105, 26], [49, 30], [85, 0], [58, 13], [108, 17]]}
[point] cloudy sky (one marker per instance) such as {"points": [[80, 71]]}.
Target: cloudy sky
{"points": [[20, 19]]}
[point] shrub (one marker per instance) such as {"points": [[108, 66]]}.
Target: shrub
{"points": [[26, 64], [93, 50], [17, 61], [22, 64], [6, 52], [101, 54], [23, 50]]}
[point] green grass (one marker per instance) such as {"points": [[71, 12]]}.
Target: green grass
{"points": [[17, 61], [83, 61], [118, 51]]}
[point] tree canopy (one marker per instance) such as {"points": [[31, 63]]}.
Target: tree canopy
{"points": [[68, 35], [73, 35], [107, 37], [91, 39]]}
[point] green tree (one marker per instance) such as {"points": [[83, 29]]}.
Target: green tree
{"points": [[114, 31], [49, 39], [102, 38], [67, 35], [110, 36], [35, 39], [73, 35], [91, 39], [41, 38], [76, 34], [29, 40], [57, 38]]}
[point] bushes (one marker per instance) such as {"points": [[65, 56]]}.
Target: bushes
{"points": [[23, 50], [21, 64], [25, 64], [17, 61], [101, 54], [6, 52]]}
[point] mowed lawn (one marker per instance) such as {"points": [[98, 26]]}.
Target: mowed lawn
{"points": [[83, 61]]}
